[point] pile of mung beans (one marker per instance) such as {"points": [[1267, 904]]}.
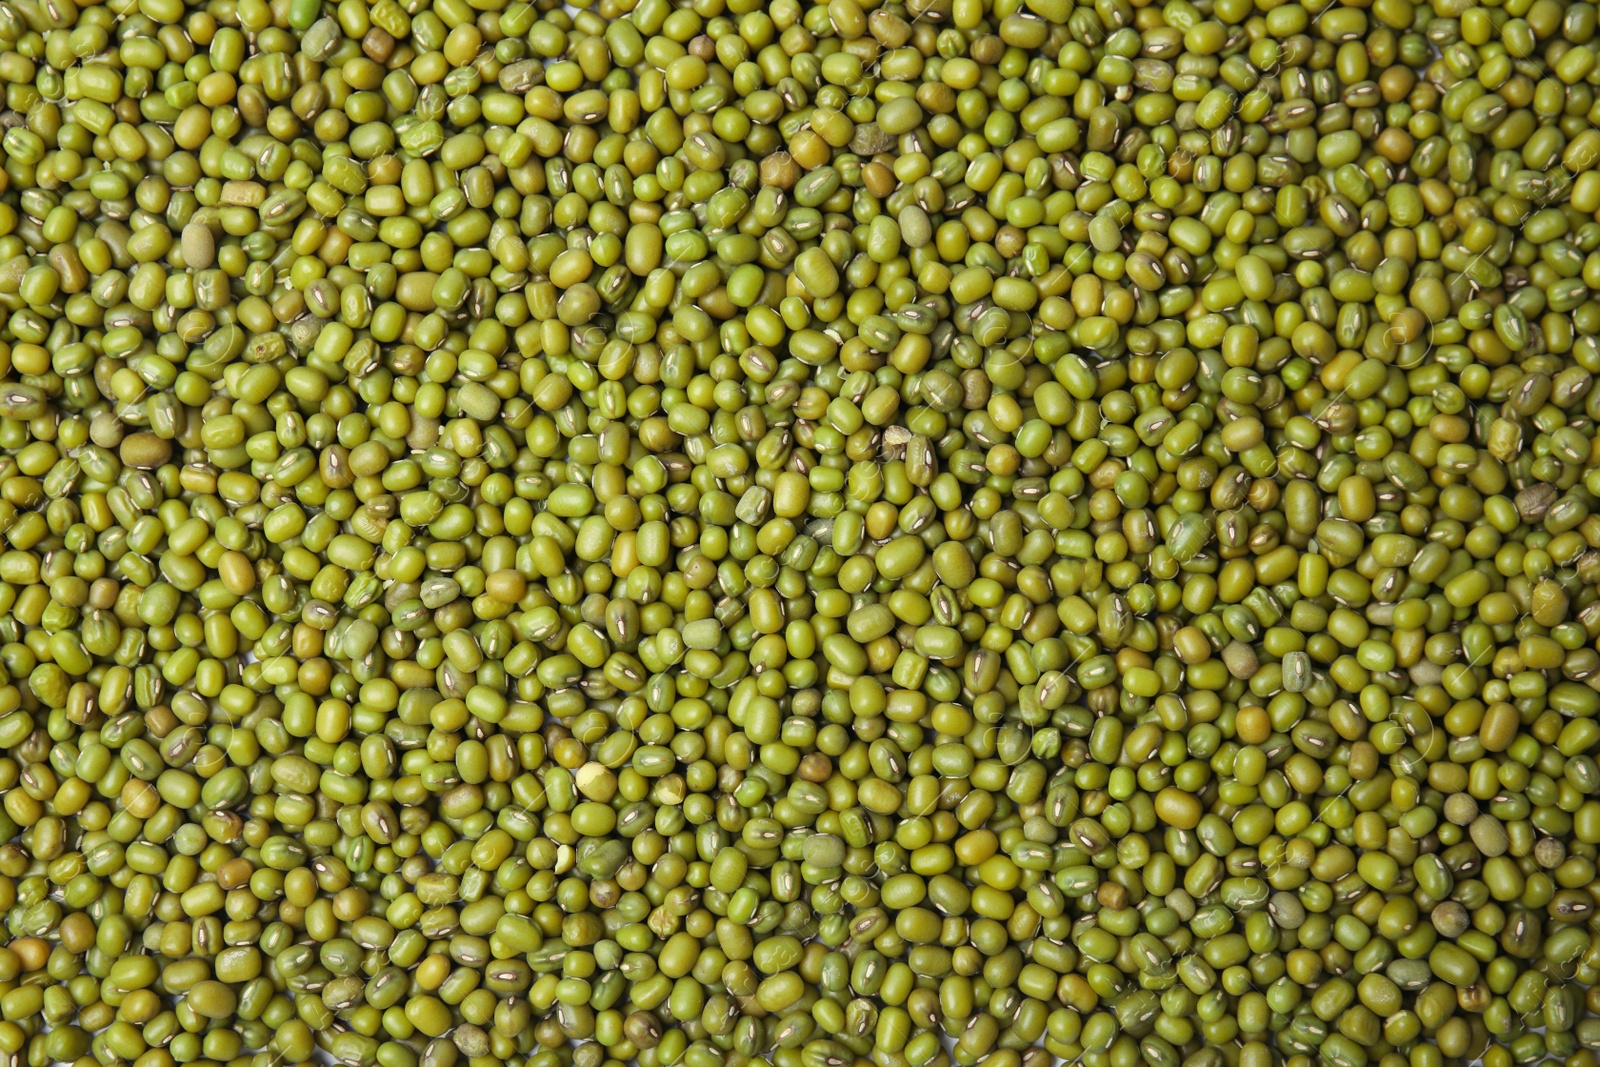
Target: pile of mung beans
{"points": [[774, 533]]}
